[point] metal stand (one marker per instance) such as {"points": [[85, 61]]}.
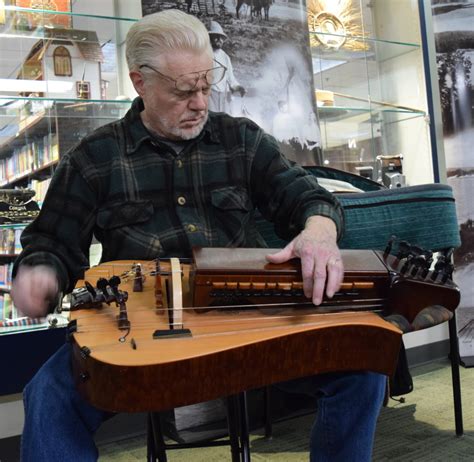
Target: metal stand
{"points": [[454, 356], [237, 419]]}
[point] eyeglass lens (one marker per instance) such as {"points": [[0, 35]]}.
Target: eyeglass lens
{"points": [[189, 81]]}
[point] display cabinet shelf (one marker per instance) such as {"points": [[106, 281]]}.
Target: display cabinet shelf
{"points": [[36, 131], [370, 86]]}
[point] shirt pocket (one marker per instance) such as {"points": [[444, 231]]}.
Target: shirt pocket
{"points": [[123, 214]]}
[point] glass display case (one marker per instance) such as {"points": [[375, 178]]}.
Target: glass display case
{"points": [[61, 77], [371, 89]]}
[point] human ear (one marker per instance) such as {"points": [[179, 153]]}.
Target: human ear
{"points": [[138, 82]]}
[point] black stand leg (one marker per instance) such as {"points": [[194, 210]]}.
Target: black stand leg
{"points": [[244, 428], [267, 413], [233, 425], [155, 442], [237, 417], [454, 355]]}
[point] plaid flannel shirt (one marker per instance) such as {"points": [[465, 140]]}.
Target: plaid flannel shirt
{"points": [[141, 200]]}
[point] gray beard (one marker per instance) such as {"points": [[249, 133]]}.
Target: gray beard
{"points": [[180, 133]]}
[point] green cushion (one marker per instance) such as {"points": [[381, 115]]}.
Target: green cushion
{"points": [[423, 215]]}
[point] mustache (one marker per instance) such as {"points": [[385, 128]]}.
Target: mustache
{"points": [[195, 114]]}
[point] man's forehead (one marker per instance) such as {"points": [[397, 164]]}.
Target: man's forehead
{"points": [[185, 62]]}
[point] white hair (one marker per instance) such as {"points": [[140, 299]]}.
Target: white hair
{"points": [[162, 32]]}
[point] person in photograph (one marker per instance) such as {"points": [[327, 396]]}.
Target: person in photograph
{"points": [[221, 94], [169, 176]]}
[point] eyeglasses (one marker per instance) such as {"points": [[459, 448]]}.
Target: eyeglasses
{"points": [[188, 82]]}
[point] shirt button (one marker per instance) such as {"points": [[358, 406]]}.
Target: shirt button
{"points": [[181, 200], [192, 228], [179, 163]]}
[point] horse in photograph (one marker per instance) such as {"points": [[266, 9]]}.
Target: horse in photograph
{"points": [[256, 8]]}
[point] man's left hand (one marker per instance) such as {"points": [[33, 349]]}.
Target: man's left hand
{"points": [[321, 262]]}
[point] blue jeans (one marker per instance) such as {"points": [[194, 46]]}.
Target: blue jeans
{"points": [[348, 407], [60, 425]]}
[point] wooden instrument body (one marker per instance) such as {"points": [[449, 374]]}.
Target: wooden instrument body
{"points": [[228, 352]]}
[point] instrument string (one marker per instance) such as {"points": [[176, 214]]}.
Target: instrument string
{"points": [[368, 304], [201, 320], [318, 320]]}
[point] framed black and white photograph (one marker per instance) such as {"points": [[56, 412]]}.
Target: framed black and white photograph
{"points": [[264, 45], [453, 25]]}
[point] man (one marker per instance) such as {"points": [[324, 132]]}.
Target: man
{"points": [[221, 93], [166, 177]]}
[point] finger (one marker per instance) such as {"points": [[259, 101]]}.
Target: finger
{"points": [[281, 256], [335, 276], [319, 281], [307, 273]]}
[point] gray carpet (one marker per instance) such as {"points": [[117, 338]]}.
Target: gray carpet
{"points": [[421, 429]]}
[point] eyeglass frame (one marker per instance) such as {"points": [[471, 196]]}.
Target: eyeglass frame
{"points": [[205, 71]]}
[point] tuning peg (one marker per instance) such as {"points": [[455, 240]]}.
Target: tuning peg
{"points": [[114, 281], [428, 260], [403, 250], [447, 273], [418, 262], [439, 266], [102, 283], [90, 289], [448, 254], [406, 265], [415, 250]]}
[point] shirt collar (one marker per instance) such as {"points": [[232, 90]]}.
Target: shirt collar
{"points": [[136, 134]]}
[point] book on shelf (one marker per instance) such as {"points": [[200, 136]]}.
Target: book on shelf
{"points": [[10, 240], [30, 157], [6, 276], [17, 246], [8, 310], [40, 187]]}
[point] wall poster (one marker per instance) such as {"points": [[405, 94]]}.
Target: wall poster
{"points": [[453, 25], [266, 49]]}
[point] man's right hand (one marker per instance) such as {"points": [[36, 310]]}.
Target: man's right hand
{"points": [[33, 290]]}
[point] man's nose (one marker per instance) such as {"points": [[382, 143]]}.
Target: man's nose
{"points": [[198, 101]]}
